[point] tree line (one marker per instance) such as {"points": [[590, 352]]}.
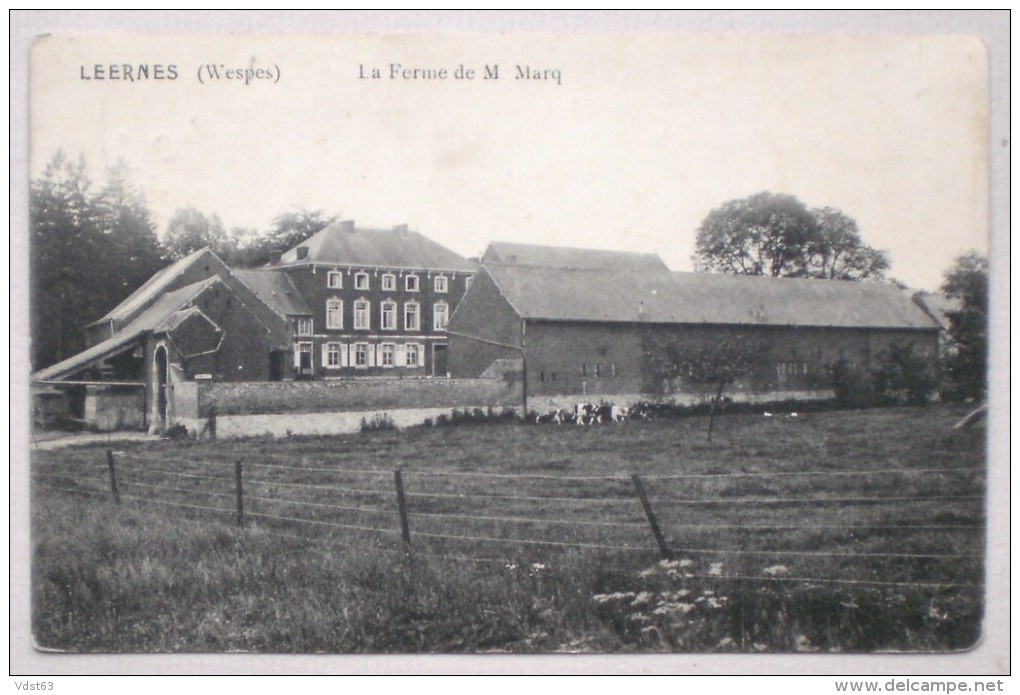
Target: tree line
{"points": [[93, 245]]}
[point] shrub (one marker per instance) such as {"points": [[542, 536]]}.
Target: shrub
{"points": [[903, 377], [379, 422], [852, 387]]}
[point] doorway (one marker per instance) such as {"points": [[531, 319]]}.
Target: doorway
{"points": [[160, 366]]}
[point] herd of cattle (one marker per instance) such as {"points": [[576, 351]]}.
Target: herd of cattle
{"points": [[587, 414]]}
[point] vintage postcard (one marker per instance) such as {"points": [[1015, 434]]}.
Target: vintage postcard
{"points": [[509, 344]]}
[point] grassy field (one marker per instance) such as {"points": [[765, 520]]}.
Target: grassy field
{"points": [[831, 531]]}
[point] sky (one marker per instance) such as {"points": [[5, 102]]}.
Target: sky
{"points": [[621, 142]]}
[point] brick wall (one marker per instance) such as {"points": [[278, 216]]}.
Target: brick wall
{"points": [[347, 395]]}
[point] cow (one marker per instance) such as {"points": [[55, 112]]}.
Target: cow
{"points": [[584, 413]]}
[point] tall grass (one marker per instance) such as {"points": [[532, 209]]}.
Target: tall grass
{"points": [[149, 578]]}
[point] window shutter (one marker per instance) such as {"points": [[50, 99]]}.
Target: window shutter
{"points": [[371, 355], [344, 361], [325, 354], [297, 356], [421, 355], [400, 356]]}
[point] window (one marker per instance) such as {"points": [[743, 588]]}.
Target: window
{"points": [[333, 355], [467, 282], [389, 282], [362, 315], [334, 314], [440, 316], [440, 283], [361, 354], [334, 279], [411, 283], [387, 355], [388, 316], [361, 281], [413, 351], [584, 369], [412, 318], [612, 369], [598, 369], [304, 326]]}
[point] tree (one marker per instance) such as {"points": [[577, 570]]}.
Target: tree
{"points": [[967, 364], [724, 359], [288, 230], [89, 250], [777, 235], [190, 230]]}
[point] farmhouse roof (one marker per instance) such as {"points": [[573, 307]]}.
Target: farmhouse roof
{"points": [[275, 288], [157, 284], [563, 257], [341, 243], [162, 315], [703, 298]]}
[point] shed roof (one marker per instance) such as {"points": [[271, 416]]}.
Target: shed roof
{"points": [[342, 244], [703, 298], [938, 306], [161, 315], [564, 257], [274, 288]]}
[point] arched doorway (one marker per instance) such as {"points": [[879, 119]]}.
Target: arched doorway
{"points": [[160, 364]]}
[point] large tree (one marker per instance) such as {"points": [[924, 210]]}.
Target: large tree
{"points": [[777, 235], [967, 363], [88, 251], [190, 230], [289, 229]]}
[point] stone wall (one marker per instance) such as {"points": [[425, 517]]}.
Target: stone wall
{"points": [[353, 395]]}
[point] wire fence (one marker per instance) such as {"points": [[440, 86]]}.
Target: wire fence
{"points": [[838, 527]]}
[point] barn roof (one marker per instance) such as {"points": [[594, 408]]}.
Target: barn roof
{"points": [[703, 298], [160, 316], [274, 288], [342, 244], [563, 257], [158, 283], [938, 306]]}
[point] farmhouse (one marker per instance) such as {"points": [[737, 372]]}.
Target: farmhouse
{"points": [[574, 331], [346, 302]]}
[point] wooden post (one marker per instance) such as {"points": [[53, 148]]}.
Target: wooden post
{"points": [[405, 529], [652, 521], [715, 404], [240, 493], [524, 368], [113, 476]]}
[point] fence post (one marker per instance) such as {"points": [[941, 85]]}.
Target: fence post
{"points": [[405, 529], [113, 476], [652, 521], [240, 493]]}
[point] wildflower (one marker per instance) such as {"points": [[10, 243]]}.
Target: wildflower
{"points": [[642, 598], [538, 566], [511, 567], [776, 571], [674, 609], [725, 642]]}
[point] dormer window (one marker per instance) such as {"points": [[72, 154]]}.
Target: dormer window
{"points": [[389, 282], [411, 283], [304, 327], [361, 281], [440, 283], [334, 280]]}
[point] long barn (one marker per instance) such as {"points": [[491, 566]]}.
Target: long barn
{"points": [[578, 330]]}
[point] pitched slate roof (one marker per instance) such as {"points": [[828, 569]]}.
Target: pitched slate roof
{"points": [[162, 315], [274, 288], [703, 298], [564, 257], [158, 283], [342, 244]]}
